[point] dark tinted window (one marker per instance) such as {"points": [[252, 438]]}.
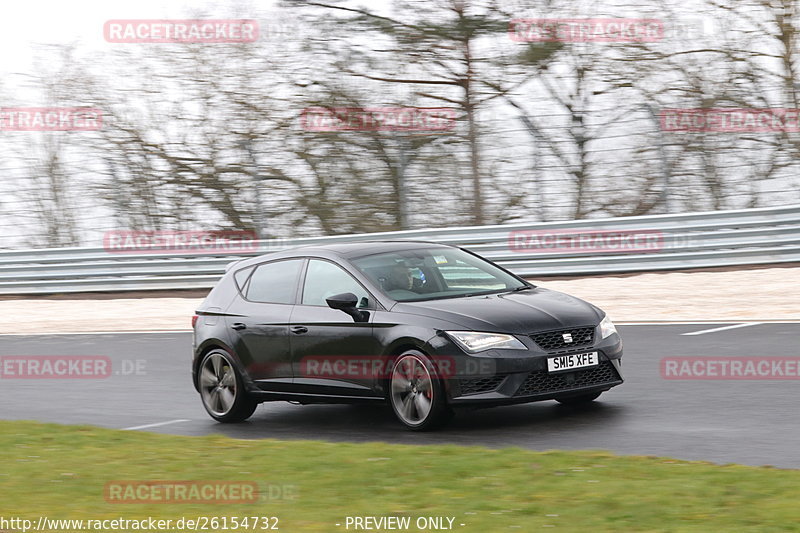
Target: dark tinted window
{"points": [[275, 282], [324, 279]]}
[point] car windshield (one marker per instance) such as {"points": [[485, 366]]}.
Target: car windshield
{"points": [[434, 273]]}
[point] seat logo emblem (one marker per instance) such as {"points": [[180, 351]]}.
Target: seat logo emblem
{"points": [[567, 338]]}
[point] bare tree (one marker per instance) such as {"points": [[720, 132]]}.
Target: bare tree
{"points": [[449, 52]]}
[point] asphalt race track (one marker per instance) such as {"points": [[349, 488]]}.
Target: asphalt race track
{"points": [[754, 422]]}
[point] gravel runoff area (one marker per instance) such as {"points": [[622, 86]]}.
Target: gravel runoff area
{"points": [[758, 294]]}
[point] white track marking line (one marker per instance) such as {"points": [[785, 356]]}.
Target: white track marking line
{"points": [[158, 424], [617, 322], [706, 322], [741, 320], [735, 326], [143, 332]]}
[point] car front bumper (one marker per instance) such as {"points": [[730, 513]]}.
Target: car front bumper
{"points": [[502, 377]]}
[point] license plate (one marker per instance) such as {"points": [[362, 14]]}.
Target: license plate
{"points": [[563, 363]]}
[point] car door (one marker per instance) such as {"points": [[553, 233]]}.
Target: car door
{"points": [[259, 322], [332, 353]]}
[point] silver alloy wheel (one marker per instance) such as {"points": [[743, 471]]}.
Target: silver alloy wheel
{"points": [[218, 384], [412, 390]]}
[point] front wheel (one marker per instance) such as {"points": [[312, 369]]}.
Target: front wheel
{"points": [[416, 393], [579, 400], [222, 389]]}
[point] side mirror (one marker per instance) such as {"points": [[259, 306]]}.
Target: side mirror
{"points": [[342, 301], [347, 302]]}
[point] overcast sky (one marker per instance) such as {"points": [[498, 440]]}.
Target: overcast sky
{"points": [[26, 23]]}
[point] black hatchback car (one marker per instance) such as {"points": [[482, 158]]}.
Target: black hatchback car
{"points": [[426, 327]]}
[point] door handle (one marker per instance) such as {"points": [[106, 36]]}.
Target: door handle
{"points": [[238, 326], [299, 329]]}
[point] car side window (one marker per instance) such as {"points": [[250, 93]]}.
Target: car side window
{"points": [[324, 279], [275, 282], [242, 276]]}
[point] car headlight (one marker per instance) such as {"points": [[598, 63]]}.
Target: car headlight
{"points": [[607, 328], [473, 342]]}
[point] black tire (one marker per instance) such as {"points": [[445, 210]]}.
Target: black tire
{"points": [[416, 393], [222, 390], [579, 400]]}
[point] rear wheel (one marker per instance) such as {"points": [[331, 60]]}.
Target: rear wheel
{"points": [[222, 389], [417, 394], [579, 400]]}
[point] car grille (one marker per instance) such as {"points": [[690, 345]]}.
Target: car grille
{"points": [[542, 382], [479, 385], [553, 341]]}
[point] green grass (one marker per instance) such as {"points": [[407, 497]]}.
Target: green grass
{"points": [[61, 471]]}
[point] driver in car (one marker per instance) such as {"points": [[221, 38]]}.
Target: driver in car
{"points": [[399, 278]]}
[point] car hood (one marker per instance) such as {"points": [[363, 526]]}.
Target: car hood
{"points": [[516, 313]]}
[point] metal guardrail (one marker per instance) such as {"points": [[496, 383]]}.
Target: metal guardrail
{"points": [[693, 240]]}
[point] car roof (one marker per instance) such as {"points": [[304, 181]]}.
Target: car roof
{"points": [[344, 250], [355, 249]]}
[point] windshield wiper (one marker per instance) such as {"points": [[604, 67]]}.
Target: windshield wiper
{"points": [[523, 288], [482, 293]]}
